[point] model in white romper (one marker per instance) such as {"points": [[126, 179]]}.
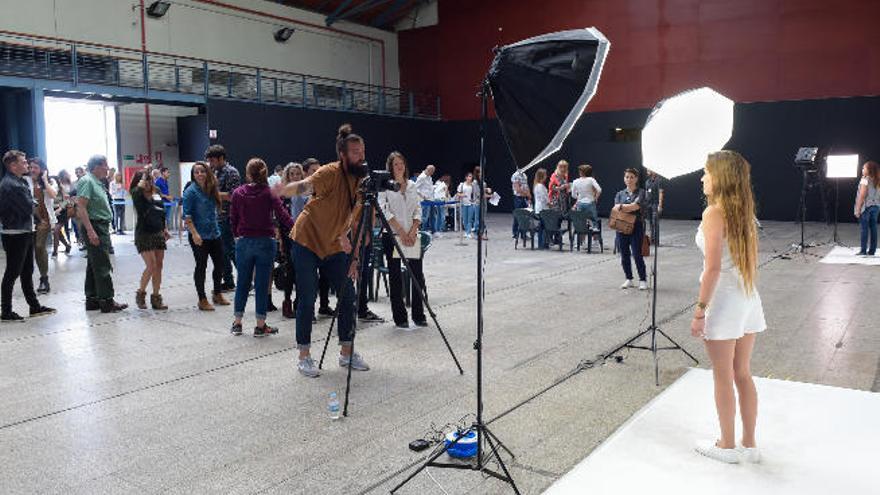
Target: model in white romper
{"points": [[729, 312]]}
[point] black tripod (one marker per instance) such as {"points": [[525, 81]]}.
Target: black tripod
{"points": [[361, 239], [653, 329], [807, 184], [479, 463]]}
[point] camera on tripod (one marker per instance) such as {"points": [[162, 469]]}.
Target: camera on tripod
{"points": [[378, 181]]}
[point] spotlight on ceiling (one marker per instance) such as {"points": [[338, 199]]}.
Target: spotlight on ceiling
{"points": [[283, 34], [158, 9]]}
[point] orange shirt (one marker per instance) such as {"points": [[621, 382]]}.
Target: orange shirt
{"points": [[328, 213]]}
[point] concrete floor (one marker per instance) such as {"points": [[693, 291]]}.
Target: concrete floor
{"points": [[149, 402]]}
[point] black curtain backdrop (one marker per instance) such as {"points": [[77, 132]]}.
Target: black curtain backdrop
{"points": [[768, 134]]}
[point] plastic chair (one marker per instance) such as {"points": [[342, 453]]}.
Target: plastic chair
{"points": [[526, 223], [553, 224]]}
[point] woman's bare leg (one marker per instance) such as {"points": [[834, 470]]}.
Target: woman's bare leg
{"points": [[748, 395], [149, 261], [158, 264], [721, 353]]}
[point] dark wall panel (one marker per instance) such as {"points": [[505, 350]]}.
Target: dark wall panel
{"points": [[192, 137]]}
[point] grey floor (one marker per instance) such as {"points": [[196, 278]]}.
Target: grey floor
{"points": [[149, 402]]}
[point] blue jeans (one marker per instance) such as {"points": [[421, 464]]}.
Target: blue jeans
{"points": [[427, 216], [335, 267], [541, 244], [590, 208], [468, 215], [518, 202], [168, 210], [631, 246], [439, 218], [868, 223], [253, 254], [228, 249]]}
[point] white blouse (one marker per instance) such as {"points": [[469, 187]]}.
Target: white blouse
{"points": [[467, 193], [542, 197], [404, 206]]}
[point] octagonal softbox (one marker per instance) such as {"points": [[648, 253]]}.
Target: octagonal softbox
{"points": [[541, 86]]}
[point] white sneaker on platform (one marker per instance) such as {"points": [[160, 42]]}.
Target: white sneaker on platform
{"points": [[627, 284], [712, 451], [643, 285], [751, 455]]}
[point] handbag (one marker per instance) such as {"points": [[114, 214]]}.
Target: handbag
{"points": [[280, 275], [646, 246], [621, 221]]}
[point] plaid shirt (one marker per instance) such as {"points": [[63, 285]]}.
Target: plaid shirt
{"points": [[228, 180], [519, 178]]}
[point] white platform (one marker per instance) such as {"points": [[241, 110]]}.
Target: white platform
{"points": [[847, 256], [815, 440]]}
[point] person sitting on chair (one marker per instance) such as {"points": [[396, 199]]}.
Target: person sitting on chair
{"points": [[403, 211]]}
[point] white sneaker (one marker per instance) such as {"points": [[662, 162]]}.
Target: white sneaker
{"points": [[643, 285], [627, 284], [712, 451], [751, 455]]}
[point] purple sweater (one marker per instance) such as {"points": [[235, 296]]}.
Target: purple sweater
{"points": [[250, 214]]}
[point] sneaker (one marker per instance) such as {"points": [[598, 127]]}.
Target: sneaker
{"points": [[355, 361], [42, 311], [628, 284], [402, 326], [421, 323], [236, 329], [326, 311], [11, 317], [307, 367], [712, 451], [751, 455], [370, 317], [643, 285], [264, 330]]}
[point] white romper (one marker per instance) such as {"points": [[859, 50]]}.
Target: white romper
{"points": [[731, 313]]}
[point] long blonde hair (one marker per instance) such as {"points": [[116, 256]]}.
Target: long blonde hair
{"points": [[732, 193]]}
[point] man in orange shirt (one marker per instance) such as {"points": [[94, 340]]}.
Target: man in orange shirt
{"points": [[321, 240]]}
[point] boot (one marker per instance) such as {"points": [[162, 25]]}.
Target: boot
{"points": [[156, 302], [219, 300], [92, 304], [44, 285], [111, 306], [204, 305], [140, 298], [287, 309]]}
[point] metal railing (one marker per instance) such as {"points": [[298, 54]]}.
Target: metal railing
{"points": [[112, 67]]}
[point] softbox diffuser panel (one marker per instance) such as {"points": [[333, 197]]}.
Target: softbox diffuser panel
{"points": [[541, 86]]}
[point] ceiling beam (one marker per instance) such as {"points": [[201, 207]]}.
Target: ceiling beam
{"points": [[339, 15], [388, 14]]}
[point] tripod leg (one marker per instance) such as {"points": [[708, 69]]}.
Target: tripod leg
{"points": [[498, 441], [327, 341], [682, 349], [501, 463], [418, 285]]}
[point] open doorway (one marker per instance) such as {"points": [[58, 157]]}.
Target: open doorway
{"points": [[78, 129]]}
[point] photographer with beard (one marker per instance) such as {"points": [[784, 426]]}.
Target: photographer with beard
{"points": [[321, 240]]}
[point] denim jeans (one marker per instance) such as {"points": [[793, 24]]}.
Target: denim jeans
{"points": [[631, 246], [427, 216], [439, 218], [335, 267], [541, 244], [518, 202], [253, 254], [468, 213], [228, 249], [168, 213], [590, 208], [868, 224]]}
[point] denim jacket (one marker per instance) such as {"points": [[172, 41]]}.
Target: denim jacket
{"points": [[201, 210], [17, 213]]}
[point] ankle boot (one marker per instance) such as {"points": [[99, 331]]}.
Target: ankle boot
{"points": [[219, 300], [204, 305], [156, 301], [43, 288], [140, 299]]}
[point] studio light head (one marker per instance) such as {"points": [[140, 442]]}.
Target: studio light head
{"points": [[283, 34], [157, 10], [842, 166]]}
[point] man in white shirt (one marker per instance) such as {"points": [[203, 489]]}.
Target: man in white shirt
{"points": [[425, 189]]}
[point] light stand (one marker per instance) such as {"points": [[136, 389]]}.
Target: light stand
{"points": [[479, 463], [361, 238], [653, 329], [840, 167]]}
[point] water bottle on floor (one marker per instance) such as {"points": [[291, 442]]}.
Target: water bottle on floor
{"points": [[333, 406]]}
